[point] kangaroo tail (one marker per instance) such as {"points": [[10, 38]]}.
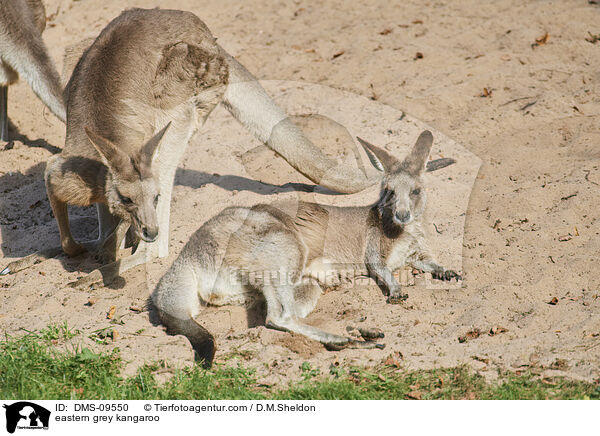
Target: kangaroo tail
{"points": [[24, 50], [202, 341], [176, 300], [248, 102]]}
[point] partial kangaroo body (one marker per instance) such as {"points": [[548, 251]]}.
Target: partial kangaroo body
{"points": [[289, 252], [23, 52], [148, 68]]}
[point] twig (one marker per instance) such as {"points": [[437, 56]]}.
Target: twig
{"points": [[516, 99], [528, 105]]}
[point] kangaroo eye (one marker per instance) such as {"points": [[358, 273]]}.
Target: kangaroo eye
{"points": [[123, 199], [156, 200], [415, 192]]}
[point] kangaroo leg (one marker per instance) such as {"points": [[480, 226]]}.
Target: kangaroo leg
{"points": [[68, 243], [282, 317], [176, 300], [171, 151], [108, 273], [4, 113], [111, 233], [306, 295]]}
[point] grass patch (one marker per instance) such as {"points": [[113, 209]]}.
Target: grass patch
{"points": [[31, 368]]}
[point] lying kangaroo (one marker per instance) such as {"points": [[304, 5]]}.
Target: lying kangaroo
{"points": [[22, 51], [283, 254], [146, 69]]}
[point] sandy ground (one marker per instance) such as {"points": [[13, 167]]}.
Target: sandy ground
{"points": [[531, 221]]}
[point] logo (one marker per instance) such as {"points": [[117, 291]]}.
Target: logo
{"points": [[26, 415]]}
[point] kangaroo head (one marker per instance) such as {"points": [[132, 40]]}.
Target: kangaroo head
{"points": [[132, 189], [402, 192]]}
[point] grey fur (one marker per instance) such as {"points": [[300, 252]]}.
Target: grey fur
{"points": [[148, 68], [23, 52], [288, 251]]}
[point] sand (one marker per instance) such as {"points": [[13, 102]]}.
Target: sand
{"points": [[517, 214]]}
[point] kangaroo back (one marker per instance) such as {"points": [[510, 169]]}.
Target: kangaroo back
{"points": [[142, 71], [23, 52]]}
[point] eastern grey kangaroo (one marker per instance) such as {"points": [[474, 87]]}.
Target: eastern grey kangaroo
{"points": [[285, 254], [146, 69], [23, 52]]}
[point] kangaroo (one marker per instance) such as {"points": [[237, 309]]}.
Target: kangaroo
{"points": [[287, 254], [146, 69], [23, 52]]}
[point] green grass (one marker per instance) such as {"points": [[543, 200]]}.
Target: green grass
{"points": [[32, 368]]}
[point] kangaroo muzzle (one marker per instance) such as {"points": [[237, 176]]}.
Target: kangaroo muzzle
{"points": [[402, 217], [149, 234]]}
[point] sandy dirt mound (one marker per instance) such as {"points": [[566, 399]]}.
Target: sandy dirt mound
{"points": [[530, 220]]}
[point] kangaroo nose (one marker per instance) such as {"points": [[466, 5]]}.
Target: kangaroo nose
{"points": [[149, 234], [403, 216]]}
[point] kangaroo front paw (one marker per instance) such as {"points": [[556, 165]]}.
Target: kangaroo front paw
{"points": [[446, 275]]}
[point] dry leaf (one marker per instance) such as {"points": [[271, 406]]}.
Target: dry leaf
{"points": [[496, 330], [481, 359], [414, 395], [338, 54], [394, 359], [114, 335], [593, 38], [560, 364], [381, 377], [471, 334], [134, 308], [418, 55], [542, 39], [554, 301], [91, 301], [417, 22], [564, 238], [487, 92], [111, 312]]}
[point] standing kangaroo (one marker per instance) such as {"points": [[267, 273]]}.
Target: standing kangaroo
{"points": [[23, 52], [286, 255], [146, 69]]}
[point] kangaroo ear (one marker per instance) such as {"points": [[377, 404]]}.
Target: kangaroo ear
{"points": [[415, 162], [116, 161], [380, 158], [150, 149], [438, 164]]}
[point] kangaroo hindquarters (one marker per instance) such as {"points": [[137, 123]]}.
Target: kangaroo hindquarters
{"points": [[202, 341]]}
